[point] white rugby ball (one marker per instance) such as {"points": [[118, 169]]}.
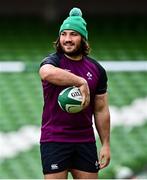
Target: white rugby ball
{"points": [[70, 100]]}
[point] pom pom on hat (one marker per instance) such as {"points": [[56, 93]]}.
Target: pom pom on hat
{"points": [[75, 22], [75, 12]]}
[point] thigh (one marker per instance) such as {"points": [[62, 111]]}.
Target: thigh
{"points": [[77, 174], [86, 158], [55, 157], [58, 175]]}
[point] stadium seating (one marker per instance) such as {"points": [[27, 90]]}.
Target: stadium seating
{"points": [[21, 94]]}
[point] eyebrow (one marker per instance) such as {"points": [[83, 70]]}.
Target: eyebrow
{"points": [[70, 31]]}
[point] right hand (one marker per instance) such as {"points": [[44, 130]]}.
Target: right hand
{"points": [[84, 88]]}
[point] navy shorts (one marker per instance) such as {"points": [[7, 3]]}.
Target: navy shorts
{"points": [[57, 157]]}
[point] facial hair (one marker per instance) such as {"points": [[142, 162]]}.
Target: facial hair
{"points": [[76, 52]]}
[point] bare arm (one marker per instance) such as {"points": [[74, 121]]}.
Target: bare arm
{"points": [[102, 123], [62, 77]]}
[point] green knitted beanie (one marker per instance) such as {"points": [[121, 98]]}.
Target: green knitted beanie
{"points": [[75, 22]]}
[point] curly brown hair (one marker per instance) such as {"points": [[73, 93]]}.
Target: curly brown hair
{"points": [[85, 48]]}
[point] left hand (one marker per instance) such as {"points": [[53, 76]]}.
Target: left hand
{"points": [[104, 156]]}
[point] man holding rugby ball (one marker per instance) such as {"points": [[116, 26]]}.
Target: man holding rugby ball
{"points": [[67, 140]]}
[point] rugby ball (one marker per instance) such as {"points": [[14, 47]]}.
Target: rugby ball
{"points": [[70, 100]]}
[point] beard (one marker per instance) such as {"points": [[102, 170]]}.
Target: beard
{"points": [[75, 52]]}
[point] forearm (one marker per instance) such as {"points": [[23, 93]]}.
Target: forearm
{"points": [[102, 123], [60, 77]]}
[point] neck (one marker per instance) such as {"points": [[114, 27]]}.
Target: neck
{"points": [[75, 58]]}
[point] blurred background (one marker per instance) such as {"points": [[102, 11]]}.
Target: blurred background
{"points": [[118, 39]]}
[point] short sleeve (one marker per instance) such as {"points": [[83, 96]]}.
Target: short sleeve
{"points": [[102, 82], [52, 59]]}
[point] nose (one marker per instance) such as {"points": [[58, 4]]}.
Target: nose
{"points": [[67, 37]]}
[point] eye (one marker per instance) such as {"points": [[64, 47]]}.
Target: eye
{"points": [[62, 34], [74, 34]]}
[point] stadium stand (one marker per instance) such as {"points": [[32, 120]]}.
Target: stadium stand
{"points": [[21, 94]]}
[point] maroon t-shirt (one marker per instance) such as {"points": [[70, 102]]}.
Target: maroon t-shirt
{"points": [[60, 126]]}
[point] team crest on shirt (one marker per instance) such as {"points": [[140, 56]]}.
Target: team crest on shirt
{"points": [[89, 75]]}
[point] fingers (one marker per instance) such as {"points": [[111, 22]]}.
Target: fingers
{"points": [[104, 157], [104, 161], [84, 88], [85, 101]]}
